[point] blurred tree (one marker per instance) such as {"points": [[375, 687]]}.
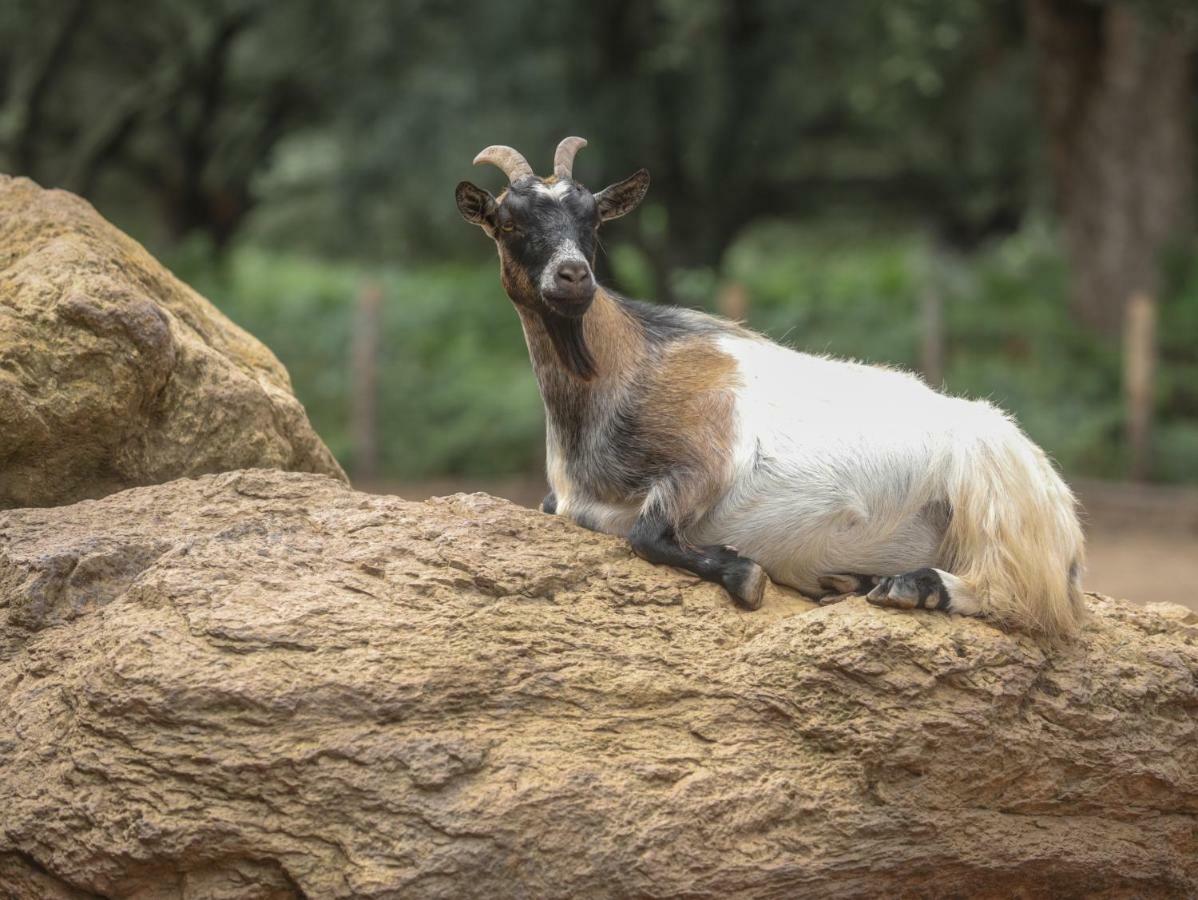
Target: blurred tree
{"points": [[761, 108], [361, 115], [184, 101], [1117, 95], [28, 72]]}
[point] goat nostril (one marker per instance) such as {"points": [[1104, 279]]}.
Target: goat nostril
{"points": [[573, 273]]}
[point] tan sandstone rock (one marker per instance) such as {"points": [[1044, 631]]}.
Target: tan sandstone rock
{"points": [[265, 685], [113, 373]]}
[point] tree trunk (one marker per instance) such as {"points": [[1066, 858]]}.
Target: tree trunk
{"points": [[1115, 90]]}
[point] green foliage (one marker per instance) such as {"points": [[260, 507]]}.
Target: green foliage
{"points": [[805, 150], [837, 290], [458, 395]]}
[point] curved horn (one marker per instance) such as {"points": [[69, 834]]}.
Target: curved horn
{"points": [[563, 159], [514, 165]]}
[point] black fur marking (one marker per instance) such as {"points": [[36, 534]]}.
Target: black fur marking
{"points": [[653, 540], [533, 225], [549, 504], [568, 340], [945, 602], [663, 325], [635, 463]]}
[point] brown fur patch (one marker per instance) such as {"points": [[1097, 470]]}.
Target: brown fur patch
{"points": [[613, 338], [686, 416]]}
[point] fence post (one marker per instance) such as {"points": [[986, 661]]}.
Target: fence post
{"points": [[364, 381], [931, 320], [732, 301], [1139, 376]]}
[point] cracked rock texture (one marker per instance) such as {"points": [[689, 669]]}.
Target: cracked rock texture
{"points": [[266, 685], [113, 373]]}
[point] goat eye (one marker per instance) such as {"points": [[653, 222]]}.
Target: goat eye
{"points": [[508, 226]]}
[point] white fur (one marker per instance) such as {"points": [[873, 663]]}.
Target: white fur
{"points": [[566, 251], [841, 467], [961, 597], [557, 190], [834, 469]]}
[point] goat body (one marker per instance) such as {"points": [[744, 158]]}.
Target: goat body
{"points": [[714, 449]]}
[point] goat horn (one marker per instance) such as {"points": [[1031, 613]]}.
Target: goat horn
{"points": [[563, 159], [514, 165]]}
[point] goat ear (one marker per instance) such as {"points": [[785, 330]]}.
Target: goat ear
{"points": [[623, 197], [475, 204]]}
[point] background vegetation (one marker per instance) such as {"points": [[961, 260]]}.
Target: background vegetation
{"points": [[848, 166]]}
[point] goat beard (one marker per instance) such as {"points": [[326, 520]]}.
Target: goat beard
{"points": [[569, 341]]}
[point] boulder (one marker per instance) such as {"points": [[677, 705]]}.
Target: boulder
{"points": [[113, 373], [266, 685]]}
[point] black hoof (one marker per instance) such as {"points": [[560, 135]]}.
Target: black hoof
{"points": [[921, 589], [745, 581]]}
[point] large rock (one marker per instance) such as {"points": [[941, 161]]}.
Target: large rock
{"points": [[113, 373], [261, 684]]}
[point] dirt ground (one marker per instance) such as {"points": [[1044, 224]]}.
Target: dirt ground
{"points": [[1143, 565], [1142, 541]]}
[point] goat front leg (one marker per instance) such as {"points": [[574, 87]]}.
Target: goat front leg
{"points": [[549, 504], [654, 539]]}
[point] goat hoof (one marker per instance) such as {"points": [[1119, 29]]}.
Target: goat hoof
{"points": [[893, 593], [745, 581], [845, 584], [920, 589]]}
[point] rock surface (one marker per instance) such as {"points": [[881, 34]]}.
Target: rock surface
{"points": [[265, 685], [114, 374]]}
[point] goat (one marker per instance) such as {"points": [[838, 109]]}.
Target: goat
{"points": [[715, 450]]}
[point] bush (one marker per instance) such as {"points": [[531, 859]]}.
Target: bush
{"points": [[457, 394]]}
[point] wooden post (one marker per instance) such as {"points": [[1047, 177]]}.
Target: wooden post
{"points": [[931, 318], [732, 301], [364, 381], [1139, 377], [931, 354]]}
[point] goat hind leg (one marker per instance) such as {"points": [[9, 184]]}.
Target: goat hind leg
{"points": [[844, 585], [925, 588]]}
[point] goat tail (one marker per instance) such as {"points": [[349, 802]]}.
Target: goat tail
{"points": [[1014, 538]]}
